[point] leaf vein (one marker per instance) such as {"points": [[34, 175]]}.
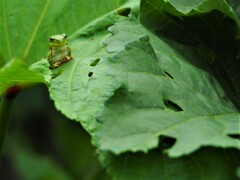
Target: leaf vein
{"points": [[6, 28], [35, 30]]}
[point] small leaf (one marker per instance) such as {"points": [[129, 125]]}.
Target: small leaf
{"points": [[17, 73]]}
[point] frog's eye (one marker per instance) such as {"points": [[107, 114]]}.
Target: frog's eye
{"points": [[51, 39], [65, 36]]}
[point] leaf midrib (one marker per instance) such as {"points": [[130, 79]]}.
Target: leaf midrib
{"points": [[35, 30]]}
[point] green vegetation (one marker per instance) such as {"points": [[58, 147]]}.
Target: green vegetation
{"points": [[154, 86]]}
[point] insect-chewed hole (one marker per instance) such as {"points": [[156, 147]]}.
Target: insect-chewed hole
{"points": [[166, 142], [95, 62], [90, 74], [172, 105], [169, 75], [124, 11], [234, 136]]}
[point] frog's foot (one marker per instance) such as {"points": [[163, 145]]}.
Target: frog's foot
{"points": [[57, 64], [68, 58], [60, 62]]}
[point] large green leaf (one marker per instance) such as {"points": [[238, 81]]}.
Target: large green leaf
{"points": [[26, 25], [25, 31], [140, 89], [84, 85], [187, 103], [143, 86]]}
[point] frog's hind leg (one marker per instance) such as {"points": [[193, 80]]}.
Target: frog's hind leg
{"points": [[50, 60]]}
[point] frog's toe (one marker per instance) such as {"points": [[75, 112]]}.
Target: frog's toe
{"points": [[69, 58], [57, 64]]}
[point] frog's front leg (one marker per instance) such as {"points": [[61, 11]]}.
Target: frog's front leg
{"points": [[49, 57]]}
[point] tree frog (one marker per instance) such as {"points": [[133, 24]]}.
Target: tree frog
{"points": [[59, 52]]}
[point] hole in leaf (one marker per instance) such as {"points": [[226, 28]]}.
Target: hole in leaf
{"points": [[169, 75], [90, 74], [234, 136], [95, 62], [124, 11], [166, 142], [172, 105]]}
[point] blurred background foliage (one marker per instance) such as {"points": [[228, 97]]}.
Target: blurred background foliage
{"points": [[42, 144]]}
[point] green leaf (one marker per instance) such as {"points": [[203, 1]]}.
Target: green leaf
{"points": [[84, 85], [206, 22], [25, 26], [201, 6], [208, 163], [141, 88], [151, 80], [189, 8], [186, 103], [212, 27], [17, 74], [77, 94]]}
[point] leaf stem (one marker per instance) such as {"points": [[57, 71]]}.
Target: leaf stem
{"points": [[5, 108]]}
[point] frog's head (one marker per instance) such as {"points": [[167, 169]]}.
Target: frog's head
{"points": [[58, 40]]}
